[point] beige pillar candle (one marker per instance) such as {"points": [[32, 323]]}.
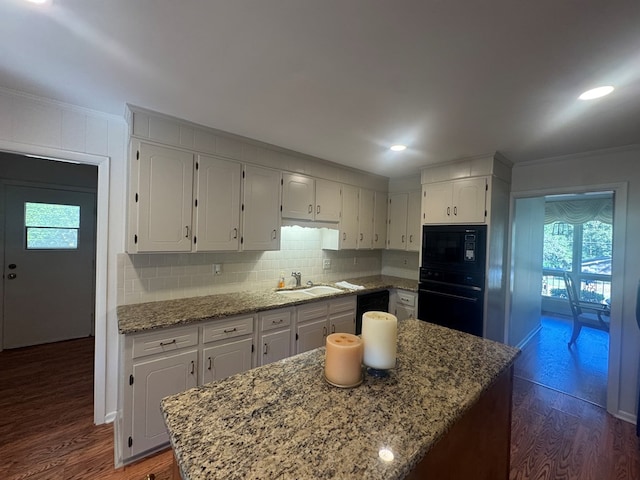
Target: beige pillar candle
{"points": [[343, 359], [380, 338]]}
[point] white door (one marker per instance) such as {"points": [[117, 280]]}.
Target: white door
{"points": [[275, 346], [261, 209], [342, 322], [298, 194], [222, 361], [349, 221], [328, 201], [397, 232], [49, 265], [436, 203], [380, 220], [469, 200], [365, 218], [414, 224], [311, 335]]}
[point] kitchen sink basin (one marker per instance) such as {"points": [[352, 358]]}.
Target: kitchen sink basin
{"points": [[306, 293]]}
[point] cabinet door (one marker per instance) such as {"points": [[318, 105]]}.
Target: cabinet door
{"points": [[311, 334], [365, 218], [404, 312], [261, 209], [328, 201], [298, 196], [342, 322], [165, 184], [414, 222], [397, 231], [154, 380], [437, 203], [469, 200], [226, 359], [275, 346], [349, 220], [217, 205], [380, 204]]}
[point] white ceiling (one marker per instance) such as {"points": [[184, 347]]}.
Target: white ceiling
{"points": [[344, 79]]}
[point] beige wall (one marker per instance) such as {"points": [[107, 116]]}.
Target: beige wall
{"points": [[617, 170]]}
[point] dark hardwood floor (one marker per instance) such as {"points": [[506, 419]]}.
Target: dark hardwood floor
{"points": [[47, 430]]}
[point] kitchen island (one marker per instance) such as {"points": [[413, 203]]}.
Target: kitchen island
{"points": [[443, 412]]}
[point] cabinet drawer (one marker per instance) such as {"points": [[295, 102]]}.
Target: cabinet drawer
{"points": [[227, 329], [408, 299], [313, 311], [342, 304], [164, 341], [276, 319]]}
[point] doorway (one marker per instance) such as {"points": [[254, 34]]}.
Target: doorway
{"points": [[553, 234]]}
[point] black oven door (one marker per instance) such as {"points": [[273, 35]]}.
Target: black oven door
{"points": [[460, 307]]}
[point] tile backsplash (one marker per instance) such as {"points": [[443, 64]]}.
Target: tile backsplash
{"points": [[153, 277]]}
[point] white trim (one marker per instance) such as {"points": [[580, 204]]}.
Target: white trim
{"points": [[617, 279], [523, 343], [102, 225]]}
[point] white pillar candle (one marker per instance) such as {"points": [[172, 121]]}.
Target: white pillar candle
{"points": [[380, 338], [343, 360]]}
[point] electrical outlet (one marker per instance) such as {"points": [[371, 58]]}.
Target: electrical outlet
{"points": [[217, 269], [326, 264], [405, 261]]}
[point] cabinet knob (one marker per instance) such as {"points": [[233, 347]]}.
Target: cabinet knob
{"points": [[310, 209], [318, 209]]}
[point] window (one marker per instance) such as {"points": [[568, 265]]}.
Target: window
{"points": [[51, 226], [583, 249]]}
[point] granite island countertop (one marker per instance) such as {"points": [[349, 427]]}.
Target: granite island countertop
{"points": [[283, 421], [168, 313]]}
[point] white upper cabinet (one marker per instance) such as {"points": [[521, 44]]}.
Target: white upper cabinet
{"points": [[397, 222], [365, 218], [380, 207], [261, 209], [413, 221], [404, 221], [349, 220], [217, 204], [162, 199], [455, 201], [328, 201], [298, 196], [306, 198]]}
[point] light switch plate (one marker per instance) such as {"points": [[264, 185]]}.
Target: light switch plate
{"points": [[217, 269]]}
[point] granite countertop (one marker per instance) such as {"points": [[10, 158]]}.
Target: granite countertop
{"points": [[283, 421], [153, 315]]}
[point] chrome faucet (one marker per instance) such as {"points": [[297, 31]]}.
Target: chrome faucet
{"points": [[298, 277]]}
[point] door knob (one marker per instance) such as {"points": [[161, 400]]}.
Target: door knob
{"points": [[11, 276]]}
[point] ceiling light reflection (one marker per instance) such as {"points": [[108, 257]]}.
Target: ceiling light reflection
{"points": [[596, 92], [385, 454], [398, 148]]}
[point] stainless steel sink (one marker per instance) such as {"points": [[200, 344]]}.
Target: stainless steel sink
{"points": [[306, 293]]}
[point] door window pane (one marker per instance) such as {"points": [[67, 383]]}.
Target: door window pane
{"points": [[51, 226]]}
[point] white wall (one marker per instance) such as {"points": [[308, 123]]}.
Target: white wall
{"points": [[617, 170], [38, 126], [526, 262]]}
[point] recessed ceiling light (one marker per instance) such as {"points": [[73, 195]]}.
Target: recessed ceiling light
{"points": [[398, 148], [596, 93], [39, 2]]}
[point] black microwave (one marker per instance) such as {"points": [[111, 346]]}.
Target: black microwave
{"points": [[455, 248]]}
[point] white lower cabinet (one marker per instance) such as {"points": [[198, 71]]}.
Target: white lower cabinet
{"points": [[403, 304], [275, 335], [317, 320]]}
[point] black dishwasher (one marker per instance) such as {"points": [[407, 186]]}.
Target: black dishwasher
{"points": [[367, 302]]}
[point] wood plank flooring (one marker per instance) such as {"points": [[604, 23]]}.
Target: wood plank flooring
{"points": [[47, 430]]}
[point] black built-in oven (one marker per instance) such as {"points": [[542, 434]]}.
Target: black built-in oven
{"points": [[452, 276]]}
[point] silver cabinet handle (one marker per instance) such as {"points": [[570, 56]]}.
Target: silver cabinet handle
{"points": [[410, 238], [229, 330], [164, 344], [318, 209], [344, 235], [402, 238], [273, 234], [209, 367], [455, 210], [266, 349], [310, 209], [324, 331], [193, 367], [187, 229], [376, 237], [448, 211], [333, 328], [278, 322], [235, 233], [361, 237]]}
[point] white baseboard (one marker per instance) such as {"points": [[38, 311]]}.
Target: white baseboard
{"points": [[528, 338], [626, 416]]}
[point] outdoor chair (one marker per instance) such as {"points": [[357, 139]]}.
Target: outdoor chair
{"points": [[585, 314]]}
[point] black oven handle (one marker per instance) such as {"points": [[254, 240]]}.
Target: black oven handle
{"points": [[451, 295], [457, 285]]}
